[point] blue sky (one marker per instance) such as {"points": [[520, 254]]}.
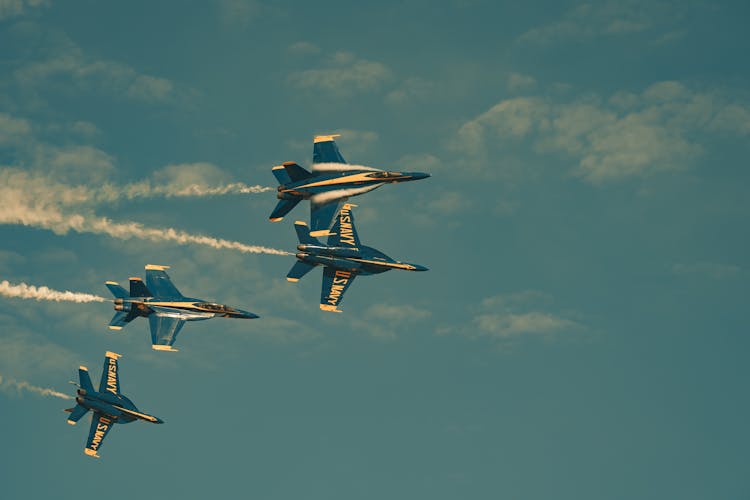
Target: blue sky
{"points": [[581, 332]]}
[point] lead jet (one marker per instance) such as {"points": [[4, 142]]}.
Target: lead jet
{"points": [[343, 257], [108, 405], [331, 182], [165, 307]]}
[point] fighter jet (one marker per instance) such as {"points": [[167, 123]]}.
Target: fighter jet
{"points": [[164, 306], [343, 258], [108, 404], [331, 182]]}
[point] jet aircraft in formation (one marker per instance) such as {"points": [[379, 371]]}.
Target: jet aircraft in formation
{"points": [[108, 405], [343, 258], [331, 182], [164, 306]]}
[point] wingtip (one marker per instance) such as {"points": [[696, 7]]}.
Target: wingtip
{"points": [[110, 354], [329, 308], [325, 138], [156, 267], [167, 348], [83, 368], [300, 223], [111, 283], [292, 280], [115, 327], [72, 422], [91, 453], [275, 219]]}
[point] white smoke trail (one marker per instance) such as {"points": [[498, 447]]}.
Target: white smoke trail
{"points": [[36, 205], [145, 189], [20, 386], [24, 291]]}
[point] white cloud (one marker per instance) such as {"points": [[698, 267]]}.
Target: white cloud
{"points": [[303, 48], [240, 12], [13, 8], [714, 270], [513, 315], [624, 136], [609, 18], [345, 75], [411, 90], [13, 130], [67, 61], [518, 82]]}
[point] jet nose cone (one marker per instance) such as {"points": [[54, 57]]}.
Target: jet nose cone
{"points": [[417, 267], [159, 421], [249, 315], [419, 175]]}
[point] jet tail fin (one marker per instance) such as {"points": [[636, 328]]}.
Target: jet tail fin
{"points": [[139, 289], [303, 234], [283, 208], [85, 380], [289, 172], [118, 291]]}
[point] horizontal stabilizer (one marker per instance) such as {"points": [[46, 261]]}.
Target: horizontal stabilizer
{"points": [[118, 291], [298, 270], [283, 208], [76, 413], [138, 288], [122, 318]]}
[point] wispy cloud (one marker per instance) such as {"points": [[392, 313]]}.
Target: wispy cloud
{"points": [[609, 18], [713, 270], [622, 136], [13, 8], [24, 291], [19, 386], [508, 316], [65, 63], [344, 75]]}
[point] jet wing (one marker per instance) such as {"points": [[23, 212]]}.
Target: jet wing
{"points": [[326, 151], [343, 232], [164, 330], [335, 284], [159, 282], [321, 215], [100, 426], [110, 381]]}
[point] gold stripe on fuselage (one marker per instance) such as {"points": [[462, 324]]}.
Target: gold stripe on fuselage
{"points": [[342, 180], [385, 264]]}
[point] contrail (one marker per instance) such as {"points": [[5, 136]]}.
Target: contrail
{"points": [[144, 189], [20, 386], [24, 291], [28, 203]]}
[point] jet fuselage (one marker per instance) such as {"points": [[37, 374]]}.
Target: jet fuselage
{"points": [[354, 182], [185, 308]]}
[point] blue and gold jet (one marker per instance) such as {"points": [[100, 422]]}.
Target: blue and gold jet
{"points": [[331, 182], [108, 405], [343, 258], [165, 307]]}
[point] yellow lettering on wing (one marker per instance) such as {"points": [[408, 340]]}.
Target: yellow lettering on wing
{"points": [[346, 232], [101, 430], [340, 280], [112, 376]]}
